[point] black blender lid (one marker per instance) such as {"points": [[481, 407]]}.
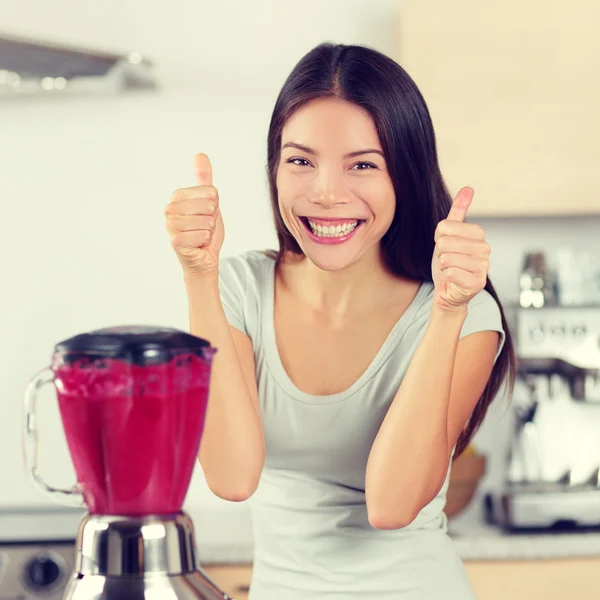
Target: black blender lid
{"points": [[141, 344]]}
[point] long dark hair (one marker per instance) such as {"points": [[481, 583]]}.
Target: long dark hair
{"points": [[379, 85]]}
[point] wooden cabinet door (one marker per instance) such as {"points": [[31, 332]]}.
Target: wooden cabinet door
{"points": [[233, 579], [514, 92], [559, 579]]}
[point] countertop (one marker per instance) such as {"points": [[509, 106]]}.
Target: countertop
{"points": [[225, 536]]}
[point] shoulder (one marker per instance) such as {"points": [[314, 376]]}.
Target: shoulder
{"points": [[242, 283], [484, 313], [483, 310], [248, 260], [245, 269]]}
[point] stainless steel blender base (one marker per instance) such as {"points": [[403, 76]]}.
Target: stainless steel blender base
{"points": [[139, 558], [191, 586]]}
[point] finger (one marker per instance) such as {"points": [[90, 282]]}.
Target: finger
{"points": [[191, 206], [203, 170], [464, 279], [459, 229], [192, 223], [449, 260], [461, 204], [462, 245], [198, 191], [191, 239]]}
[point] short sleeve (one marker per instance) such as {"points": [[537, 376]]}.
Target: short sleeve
{"points": [[484, 315], [233, 280]]}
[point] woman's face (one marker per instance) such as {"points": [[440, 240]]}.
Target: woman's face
{"points": [[335, 193]]}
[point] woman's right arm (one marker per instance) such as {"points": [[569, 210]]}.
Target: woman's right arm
{"points": [[232, 451]]}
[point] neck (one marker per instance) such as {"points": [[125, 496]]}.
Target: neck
{"points": [[340, 294]]}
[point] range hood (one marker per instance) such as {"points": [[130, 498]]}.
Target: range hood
{"points": [[32, 67]]}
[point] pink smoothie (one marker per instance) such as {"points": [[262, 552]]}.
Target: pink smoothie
{"points": [[133, 431]]}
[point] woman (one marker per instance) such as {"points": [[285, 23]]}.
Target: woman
{"points": [[358, 360]]}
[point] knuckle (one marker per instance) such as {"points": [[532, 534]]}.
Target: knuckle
{"points": [[169, 227], [169, 210], [177, 195], [444, 260], [177, 239], [199, 238], [479, 231], [212, 192]]}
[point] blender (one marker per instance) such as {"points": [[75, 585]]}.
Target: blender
{"points": [[132, 401]]}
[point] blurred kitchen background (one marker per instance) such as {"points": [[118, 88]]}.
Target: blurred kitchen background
{"points": [[100, 119]]}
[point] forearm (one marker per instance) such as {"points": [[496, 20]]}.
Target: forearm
{"points": [[232, 449], [410, 455]]}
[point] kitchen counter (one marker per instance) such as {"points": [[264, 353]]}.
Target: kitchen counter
{"points": [[224, 535], [491, 543], [474, 540]]}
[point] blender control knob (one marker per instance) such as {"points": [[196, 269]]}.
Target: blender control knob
{"points": [[42, 571]]}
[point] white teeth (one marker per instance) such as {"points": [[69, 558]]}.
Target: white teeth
{"points": [[332, 230]]}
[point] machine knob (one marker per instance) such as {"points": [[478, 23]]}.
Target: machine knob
{"points": [[42, 571]]}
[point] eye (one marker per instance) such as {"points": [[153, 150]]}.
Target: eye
{"points": [[362, 166], [300, 162]]}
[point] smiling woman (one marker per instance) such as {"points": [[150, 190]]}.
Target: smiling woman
{"points": [[332, 173], [359, 358]]}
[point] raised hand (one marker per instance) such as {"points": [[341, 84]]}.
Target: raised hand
{"points": [[194, 222], [461, 258]]}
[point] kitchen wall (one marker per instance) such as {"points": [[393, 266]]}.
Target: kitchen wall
{"points": [[83, 182], [210, 43]]}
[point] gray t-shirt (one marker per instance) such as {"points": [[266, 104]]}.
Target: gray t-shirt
{"points": [[313, 540]]}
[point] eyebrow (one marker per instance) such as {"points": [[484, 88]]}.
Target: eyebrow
{"points": [[349, 155]]}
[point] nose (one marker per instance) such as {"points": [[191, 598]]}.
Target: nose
{"points": [[329, 189]]}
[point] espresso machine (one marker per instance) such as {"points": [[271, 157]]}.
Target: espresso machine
{"points": [[552, 474], [132, 401]]}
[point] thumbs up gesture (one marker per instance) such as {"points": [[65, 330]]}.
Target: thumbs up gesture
{"points": [[194, 222], [461, 258]]}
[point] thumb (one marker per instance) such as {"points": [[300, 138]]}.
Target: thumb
{"points": [[461, 204], [203, 170]]}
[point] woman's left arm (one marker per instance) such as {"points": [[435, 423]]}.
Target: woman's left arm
{"points": [[410, 456]]}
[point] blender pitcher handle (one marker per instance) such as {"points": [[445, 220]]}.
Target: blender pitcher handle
{"points": [[71, 497]]}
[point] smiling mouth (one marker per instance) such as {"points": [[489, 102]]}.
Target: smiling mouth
{"points": [[331, 228]]}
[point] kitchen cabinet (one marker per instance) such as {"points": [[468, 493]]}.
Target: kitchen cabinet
{"points": [[233, 579], [492, 580], [513, 90], [531, 579]]}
